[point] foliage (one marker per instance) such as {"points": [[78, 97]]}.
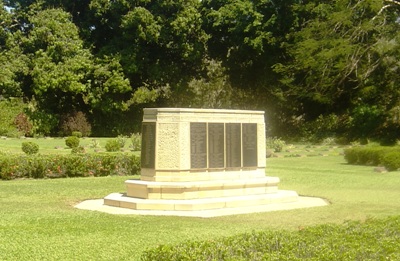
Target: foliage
{"points": [[55, 70], [95, 144], [44, 122], [275, 144], [10, 109], [336, 64], [72, 165], [23, 124], [324, 126], [121, 140], [30, 147], [304, 63], [136, 140], [77, 134], [159, 45], [389, 157], [78, 150], [365, 121], [340, 242], [75, 122], [210, 91], [247, 36], [391, 160], [113, 145], [72, 141]]}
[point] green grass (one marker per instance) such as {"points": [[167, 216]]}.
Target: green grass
{"points": [[38, 221], [57, 145]]}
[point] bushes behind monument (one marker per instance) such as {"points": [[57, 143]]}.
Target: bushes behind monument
{"points": [[389, 157], [60, 166]]}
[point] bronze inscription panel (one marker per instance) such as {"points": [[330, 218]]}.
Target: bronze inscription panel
{"points": [[216, 145], [249, 139], [233, 145], [148, 145], [198, 145]]}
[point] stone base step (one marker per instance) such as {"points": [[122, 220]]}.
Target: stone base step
{"points": [[201, 189], [124, 201]]}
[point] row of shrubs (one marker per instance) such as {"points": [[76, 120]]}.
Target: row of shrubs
{"points": [[372, 240], [72, 142], [71, 165], [389, 157]]}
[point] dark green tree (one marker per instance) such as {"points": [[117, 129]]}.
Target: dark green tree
{"points": [[160, 44], [50, 67], [343, 59], [12, 60]]}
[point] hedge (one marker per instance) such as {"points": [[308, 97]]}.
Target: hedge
{"points": [[372, 240], [389, 157], [72, 165]]}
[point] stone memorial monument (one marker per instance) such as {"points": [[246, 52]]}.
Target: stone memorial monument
{"points": [[201, 160]]}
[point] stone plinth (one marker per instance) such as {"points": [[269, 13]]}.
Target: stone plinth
{"points": [[201, 159]]}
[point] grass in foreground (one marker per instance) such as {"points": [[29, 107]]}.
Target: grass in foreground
{"points": [[38, 221]]}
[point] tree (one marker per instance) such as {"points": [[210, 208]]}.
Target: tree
{"points": [[49, 65], [247, 37], [12, 61], [158, 43], [342, 59]]}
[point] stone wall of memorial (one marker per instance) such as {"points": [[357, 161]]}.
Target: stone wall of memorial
{"points": [[211, 143]]}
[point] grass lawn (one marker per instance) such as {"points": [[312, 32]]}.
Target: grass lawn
{"points": [[57, 145], [38, 221]]}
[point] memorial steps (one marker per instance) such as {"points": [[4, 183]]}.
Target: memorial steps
{"points": [[217, 203]]}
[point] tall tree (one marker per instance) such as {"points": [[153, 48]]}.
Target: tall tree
{"points": [[247, 37], [159, 43], [12, 60], [343, 61], [56, 72]]}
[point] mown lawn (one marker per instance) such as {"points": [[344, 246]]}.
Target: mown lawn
{"points": [[38, 221], [57, 145]]}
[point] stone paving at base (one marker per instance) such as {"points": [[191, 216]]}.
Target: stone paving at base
{"points": [[302, 202]]}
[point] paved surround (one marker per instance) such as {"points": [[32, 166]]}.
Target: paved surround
{"points": [[302, 202]]}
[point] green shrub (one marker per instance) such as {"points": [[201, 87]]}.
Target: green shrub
{"points": [[351, 156], [391, 160], [95, 144], [44, 123], [374, 156], [77, 134], [72, 142], [77, 150], [30, 147], [113, 145], [322, 242], [136, 140], [10, 109], [70, 165], [121, 140], [275, 144], [35, 167]]}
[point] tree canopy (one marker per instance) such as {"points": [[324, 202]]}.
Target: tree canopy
{"points": [[317, 67]]}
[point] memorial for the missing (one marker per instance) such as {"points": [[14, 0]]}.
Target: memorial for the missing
{"points": [[205, 161]]}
